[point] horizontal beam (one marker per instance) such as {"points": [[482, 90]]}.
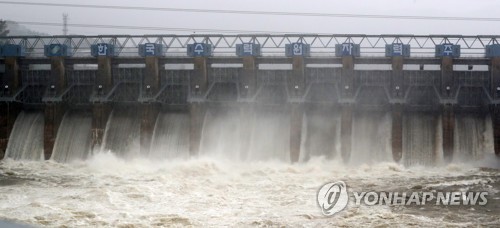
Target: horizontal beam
{"points": [[259, 60], [271, 44]]}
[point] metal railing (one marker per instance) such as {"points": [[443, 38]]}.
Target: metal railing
{"points": [[272, 45]]}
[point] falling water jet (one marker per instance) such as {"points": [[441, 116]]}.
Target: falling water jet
{"points": [[170, 136], [26, 139], [122, 132], [371, 138], [320, 134], [74, 139], [221, 134], [420, 139]]}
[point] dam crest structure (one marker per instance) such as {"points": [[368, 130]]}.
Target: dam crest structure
{"points": [[408, 98]]}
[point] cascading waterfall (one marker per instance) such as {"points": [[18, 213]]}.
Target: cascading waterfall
{"points": [[122, 134], [270, 136], [321, 134], [221, 134], [371, 132], [471, 137], [26, 138], [170, 136], [74, 138], [420, 139]]}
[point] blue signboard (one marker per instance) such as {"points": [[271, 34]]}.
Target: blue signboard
{"points": [[199, 50], [248, 49], [297, 49], [12, 50], [397, 49], [150, 49], [102, 49], [60, 50], [347, 49], [448, 50], [493, 50]]}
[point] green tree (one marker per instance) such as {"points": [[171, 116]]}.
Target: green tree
{"points": [[3, 28]]}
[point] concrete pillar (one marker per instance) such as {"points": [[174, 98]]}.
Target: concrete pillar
{"points": [[12, 75], [347, 77], [53, 117], [296, 88], [199, 80], [151, 86], [248, 83], [397, 92], [197, 115], [448, 126], [448, 89], [397, 78], [248, 88], [104, 75], [54, 111], [297, 113], [397, 132], [151, 76], [58, 74], [9, 111], [100, 115], [199, 87], [448, 86], [495, 94], [346, 132], [148, 120], [101, 111], [495, 116], [495, 78], [347, 94], [8, 115]]}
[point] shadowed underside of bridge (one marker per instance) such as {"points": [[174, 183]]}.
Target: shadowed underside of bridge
{"points": [[339, 90]]}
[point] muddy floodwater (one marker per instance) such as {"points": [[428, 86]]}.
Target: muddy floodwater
{"points": [[109, 191]]}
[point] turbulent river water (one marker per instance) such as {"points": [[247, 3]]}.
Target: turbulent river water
{"points": [[117, 186], [109, 191]]}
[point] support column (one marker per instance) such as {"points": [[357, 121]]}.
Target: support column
{"points": [[448, 89], [104, 75], [9, 111], [8, 115], [248, 88], [148, 120], [151, 86], [101, 111], [347, 94], [197, 114], [12, 75], [397, 92], [57, 75], [397, 132], [54, 111], [199, 86], [296, 88], [151, 76], [53, 117], [100, 115], [495, 94], [297, 113], [248, 83], [448, 125]]}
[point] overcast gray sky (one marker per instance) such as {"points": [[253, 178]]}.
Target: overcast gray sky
{"points": [[295, 24]]}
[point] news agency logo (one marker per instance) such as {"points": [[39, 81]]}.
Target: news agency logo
{"points": [[333, 197]]}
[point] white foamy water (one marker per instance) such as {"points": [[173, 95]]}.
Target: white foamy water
{"points": [[107, 190]]}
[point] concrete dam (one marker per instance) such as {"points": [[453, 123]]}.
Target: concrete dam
{"points": [[418, 100]]}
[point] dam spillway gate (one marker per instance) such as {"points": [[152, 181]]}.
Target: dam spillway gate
{"points": [[310, 92]]}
